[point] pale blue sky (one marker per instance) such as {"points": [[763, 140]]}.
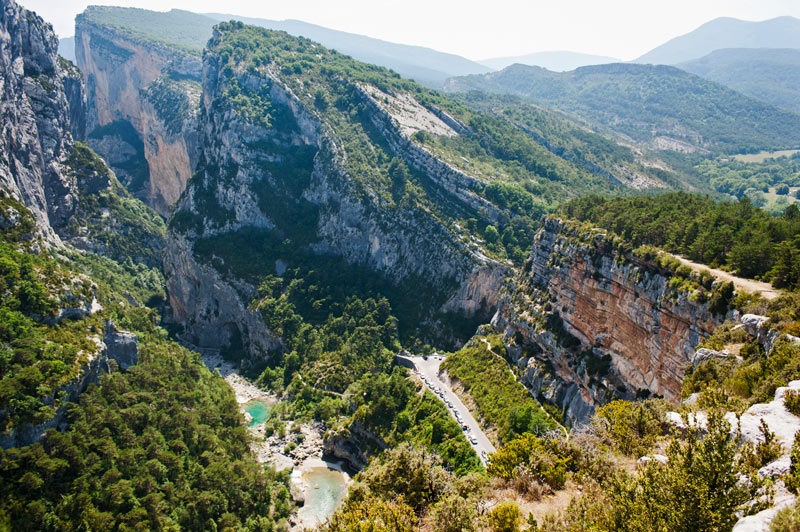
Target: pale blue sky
{"points": [[477, 29]]}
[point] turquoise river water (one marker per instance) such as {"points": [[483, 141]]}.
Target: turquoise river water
{"points": [[259, 410]]}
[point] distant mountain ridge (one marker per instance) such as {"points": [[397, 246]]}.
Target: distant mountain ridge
{"points": [[724, 32], [557, 60], [191, 31], [768, 74], [425, 65], [661, 107], [66, 48]]}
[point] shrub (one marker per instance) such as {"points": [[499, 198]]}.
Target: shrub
{"points": [[530, 455], [787, 520], [631, 428], [372, 515], [792, 480], [792, 402], [505, 517], [454, 514]]}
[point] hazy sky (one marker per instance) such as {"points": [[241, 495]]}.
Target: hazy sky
{"points": [[476, 29]]}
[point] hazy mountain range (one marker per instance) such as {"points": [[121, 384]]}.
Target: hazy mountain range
{"points": [[657, 105], [558, 61], [769, 74], [781, 32]]}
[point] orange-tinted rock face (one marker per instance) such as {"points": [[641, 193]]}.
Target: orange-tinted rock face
{"points": [[650, 338], [120, 74], [604, 324]]}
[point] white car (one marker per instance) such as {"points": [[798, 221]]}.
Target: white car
{"points": [[473, 440]]}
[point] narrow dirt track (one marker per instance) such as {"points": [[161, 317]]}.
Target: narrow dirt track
{"points": [[748, 285]]}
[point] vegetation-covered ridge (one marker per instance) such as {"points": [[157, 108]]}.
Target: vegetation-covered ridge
{"points": [[734, 235], [644, 102], [176, 28], [574, 142], [515, 172], [484, 371], [108, 221]]}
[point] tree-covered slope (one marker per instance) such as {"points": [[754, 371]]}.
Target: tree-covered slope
{"points": [[425, 65], [733, 235], [574, 142], [183, 29], [768, 74], [150, 447], [660, 106], [307, 150]]}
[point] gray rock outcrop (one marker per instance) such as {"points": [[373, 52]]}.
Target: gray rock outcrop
{"points": [[240, 184], [39, 97]]}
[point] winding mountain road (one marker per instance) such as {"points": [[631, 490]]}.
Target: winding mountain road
{"points": [[430, 370]]}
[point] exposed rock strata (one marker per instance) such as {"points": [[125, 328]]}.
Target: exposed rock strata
{"points": [[591, 323], [240, 183], [155, 89]]}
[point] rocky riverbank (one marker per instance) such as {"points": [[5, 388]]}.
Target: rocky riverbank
{"points": [[298, 448]]}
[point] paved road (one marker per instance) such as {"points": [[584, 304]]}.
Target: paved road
{"points": [[430, 370]]}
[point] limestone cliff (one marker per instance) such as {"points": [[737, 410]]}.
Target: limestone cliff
{"points": [[38, 96], [588, 320], [291, 175], [142, 99]]}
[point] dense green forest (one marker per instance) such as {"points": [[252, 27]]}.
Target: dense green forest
{"points": [[771, 184], [486, 375], [647, 101], [733, 235], [160, 446]]}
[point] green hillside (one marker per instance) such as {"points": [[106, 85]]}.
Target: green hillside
{"points": [[768, 74], [161, 445], [647, 102], [176, 27]]}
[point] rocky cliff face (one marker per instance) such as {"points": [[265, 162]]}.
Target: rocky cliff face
{"points": [[142, 100], [290, 177], [39, 96], [588, 322]]}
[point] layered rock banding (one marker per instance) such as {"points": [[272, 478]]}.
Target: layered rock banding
{"points": [[142, 99], [587, 322]]}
